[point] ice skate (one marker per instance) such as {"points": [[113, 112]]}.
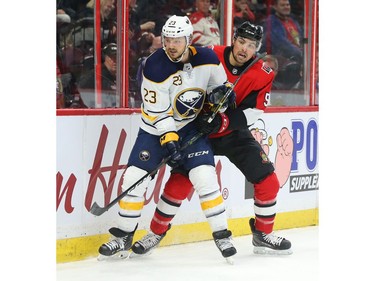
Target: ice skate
{"points": [[223, 240], [148, 243], [118, 247], [269, 243]]}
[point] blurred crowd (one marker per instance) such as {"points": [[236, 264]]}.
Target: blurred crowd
{"points": [[282, 22]]}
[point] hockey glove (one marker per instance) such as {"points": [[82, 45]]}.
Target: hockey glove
{"points": [[215, 95], [170, 141], [218, 125]]}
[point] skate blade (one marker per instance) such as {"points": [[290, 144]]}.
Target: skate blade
{"points": [[118, 256], [268, 251], [230, 260], [133, 255]]}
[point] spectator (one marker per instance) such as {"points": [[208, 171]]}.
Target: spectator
{"points": [[298, 8], [82, 35], [136, 20], [283, 39], [59, 89], [283, 33], [109, 70], [77, 44], [73, 8], [63, 21], [67, 82], [66, 85], [206, 29], [242, 13], [154, 11]]}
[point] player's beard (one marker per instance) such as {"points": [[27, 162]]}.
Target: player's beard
{"points": [[240, 59], [174, 54]]}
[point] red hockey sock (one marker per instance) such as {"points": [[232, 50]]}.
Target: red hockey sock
{"points": [[265, 193], [176, 190]]}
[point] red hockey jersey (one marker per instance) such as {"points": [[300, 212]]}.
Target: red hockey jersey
{"points": [[253, 88], [257, 81]]}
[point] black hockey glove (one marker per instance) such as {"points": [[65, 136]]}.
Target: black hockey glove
{"points": [[215, 95], [218, 125], [170, 141]]}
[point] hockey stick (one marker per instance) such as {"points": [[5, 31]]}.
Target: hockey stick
{"points": [[223, 100], [97, 210]]}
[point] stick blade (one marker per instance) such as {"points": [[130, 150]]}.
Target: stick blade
{"points": [[97, 210]]}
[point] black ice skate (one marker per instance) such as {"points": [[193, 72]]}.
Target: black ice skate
{"points": [[149, 242], [119, 245], [223, 240], [269, 243]]}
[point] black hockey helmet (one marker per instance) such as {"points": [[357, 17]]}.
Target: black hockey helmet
{"points": [[250, 31]]}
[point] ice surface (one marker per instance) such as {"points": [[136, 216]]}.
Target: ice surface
{"points": [[203, 261]]}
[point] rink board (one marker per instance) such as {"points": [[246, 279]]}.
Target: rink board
{"points": [[92, 153]]}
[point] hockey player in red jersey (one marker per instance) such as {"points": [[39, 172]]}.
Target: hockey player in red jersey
{"points": [[230, 137]]}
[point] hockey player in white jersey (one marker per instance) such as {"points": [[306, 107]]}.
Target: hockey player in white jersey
{"points": [[175, 81]]}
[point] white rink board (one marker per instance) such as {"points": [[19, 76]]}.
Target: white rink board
{"points": [[91, 150]]}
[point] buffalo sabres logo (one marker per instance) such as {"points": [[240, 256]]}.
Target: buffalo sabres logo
{"points": [[189, 102], [144, 155]]}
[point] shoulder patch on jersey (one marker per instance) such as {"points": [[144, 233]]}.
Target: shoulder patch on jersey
{"points": [[266, 68]]}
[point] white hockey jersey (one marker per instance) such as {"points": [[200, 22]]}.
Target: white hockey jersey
{"points": [[173, 93]]}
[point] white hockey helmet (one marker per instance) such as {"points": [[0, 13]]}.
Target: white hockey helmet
{"points": [[177, 26]]}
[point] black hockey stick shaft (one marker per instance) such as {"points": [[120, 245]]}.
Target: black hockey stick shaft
{"points": [[97, 210]]}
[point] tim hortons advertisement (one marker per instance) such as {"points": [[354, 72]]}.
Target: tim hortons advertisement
{"points": [[92, 153]]}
